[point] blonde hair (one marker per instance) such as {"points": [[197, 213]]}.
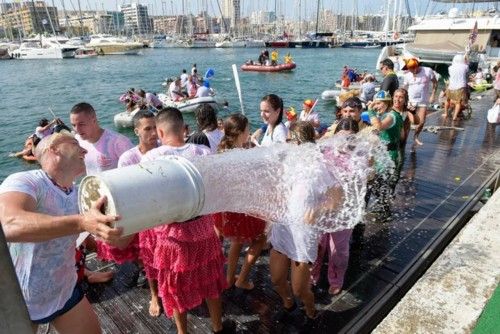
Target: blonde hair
{"points": [[49, 141]]}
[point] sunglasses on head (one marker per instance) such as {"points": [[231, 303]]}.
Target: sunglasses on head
{"points": [[351, 104]]}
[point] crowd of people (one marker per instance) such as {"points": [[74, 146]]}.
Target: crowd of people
{"points": [[188, 86], [184, 262]]}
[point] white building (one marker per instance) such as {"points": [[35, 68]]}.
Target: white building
{"points": [[262, 17], [231, 12], [136, 19]]}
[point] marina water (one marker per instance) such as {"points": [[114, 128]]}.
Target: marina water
{"points": [[29, 87]]}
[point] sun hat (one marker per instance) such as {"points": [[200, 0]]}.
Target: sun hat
{"points": [[309, 103], [291, 113], [410, 63]]}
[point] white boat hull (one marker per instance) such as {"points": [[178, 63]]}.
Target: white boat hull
{"points": [[330, 94], [189, 105]]}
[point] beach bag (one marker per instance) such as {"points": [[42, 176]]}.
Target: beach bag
{"points": [[494, 114]]}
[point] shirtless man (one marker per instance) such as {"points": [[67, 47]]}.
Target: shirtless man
{"points": [[39, 216]]}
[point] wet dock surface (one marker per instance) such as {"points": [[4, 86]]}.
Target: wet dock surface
{"points": [[437, 180]]}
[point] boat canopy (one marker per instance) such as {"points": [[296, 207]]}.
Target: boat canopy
{"points": [[463, 1], [458, 37]]}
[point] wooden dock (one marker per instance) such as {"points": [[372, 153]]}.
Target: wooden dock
{"points": [[438, 184]]}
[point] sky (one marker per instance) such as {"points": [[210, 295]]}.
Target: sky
{"points": [[288, 8]]}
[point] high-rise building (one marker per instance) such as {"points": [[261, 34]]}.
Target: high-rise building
{"points": [[30, 17], [231, 12], [136, 19]]}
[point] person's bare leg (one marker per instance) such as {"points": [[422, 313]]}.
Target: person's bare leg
{"points": [[251, 257], [446, 107], [301, 286], [458, 106], [232, 262], [81, 319], [278, 266], [215, 310], [154, 303], [180, 322], [422, 114]]}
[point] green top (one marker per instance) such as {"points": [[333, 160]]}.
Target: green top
{"points": [[392, 135]]}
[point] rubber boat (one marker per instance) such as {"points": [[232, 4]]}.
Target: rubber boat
{"points": [[264, 68], [188, 105], [125, 119]]}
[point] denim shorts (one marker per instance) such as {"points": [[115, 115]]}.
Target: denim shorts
{"points": [[75, 298]]}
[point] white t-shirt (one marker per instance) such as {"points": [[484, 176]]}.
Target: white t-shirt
{"points": [[279, 135], [202, 92], [458, 76], [214, 138], [45, 270], [184, 79], [174, 92], [186, 151], [104, 154], [419, 85], [310, 117], [367, 91]]}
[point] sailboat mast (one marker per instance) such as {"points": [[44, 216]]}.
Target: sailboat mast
{"points": [[317, 17]]}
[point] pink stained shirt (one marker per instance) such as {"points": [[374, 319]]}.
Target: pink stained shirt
{"points": [[130, 157], [104, 154]]}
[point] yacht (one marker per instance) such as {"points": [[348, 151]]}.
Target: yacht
{"points": [[112, 45], [439, 38], [43, 47]]}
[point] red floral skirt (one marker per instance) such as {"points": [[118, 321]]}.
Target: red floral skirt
{"points": [[240, 227], [189, 262]]}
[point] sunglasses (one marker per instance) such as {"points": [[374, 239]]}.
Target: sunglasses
{"points": [[351, 104]]}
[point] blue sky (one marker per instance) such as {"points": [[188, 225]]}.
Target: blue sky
{"points": [[288, 8]]}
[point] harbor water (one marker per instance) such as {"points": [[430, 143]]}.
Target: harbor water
{"points": [[30, 87]]}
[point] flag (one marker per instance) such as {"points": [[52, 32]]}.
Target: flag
{"points": [[473, 34]]}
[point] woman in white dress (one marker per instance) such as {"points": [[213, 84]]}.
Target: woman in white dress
{"points": [[271, 111], [294, 246]]}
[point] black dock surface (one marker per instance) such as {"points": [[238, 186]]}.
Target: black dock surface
{"points": [[438, 181]]}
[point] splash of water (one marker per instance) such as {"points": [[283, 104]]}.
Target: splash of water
{"points": [[321, 185]]}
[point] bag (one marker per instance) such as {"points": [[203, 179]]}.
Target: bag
{"points": [[494, 114]]}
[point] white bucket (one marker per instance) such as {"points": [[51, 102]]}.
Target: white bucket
{"points": [[147, 194]]}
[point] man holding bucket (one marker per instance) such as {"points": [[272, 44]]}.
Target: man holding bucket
{"points": [[39, 216]]}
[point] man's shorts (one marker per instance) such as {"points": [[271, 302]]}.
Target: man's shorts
{"points": [[75, 298]]}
